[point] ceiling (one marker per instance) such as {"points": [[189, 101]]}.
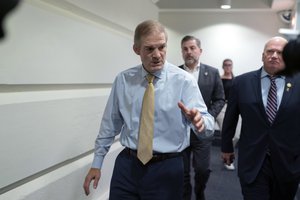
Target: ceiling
{"points": [[276, 5]]}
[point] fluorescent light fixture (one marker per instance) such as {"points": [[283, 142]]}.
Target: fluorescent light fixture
{"points": [[226, 4]]}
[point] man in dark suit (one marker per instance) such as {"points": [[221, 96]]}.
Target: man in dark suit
{"points": [[210, 85], [269, 145]]}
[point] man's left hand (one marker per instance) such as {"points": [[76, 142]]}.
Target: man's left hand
{"points": [[193, 115]]}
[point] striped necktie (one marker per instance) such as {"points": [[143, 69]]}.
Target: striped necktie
{"points": [[271, 108]]}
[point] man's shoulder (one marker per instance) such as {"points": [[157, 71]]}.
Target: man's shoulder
{"points": [[172, 67], [130, 72], [209, 67], [180, 66], [248, 75], [133, 69], [178, 72]]}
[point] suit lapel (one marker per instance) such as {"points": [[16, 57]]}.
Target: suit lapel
{"points": [[257, 85], [201, 74], [287, 93]]}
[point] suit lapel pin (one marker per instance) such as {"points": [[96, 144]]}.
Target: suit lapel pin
{"points": [[288, 86], [205, 73]]}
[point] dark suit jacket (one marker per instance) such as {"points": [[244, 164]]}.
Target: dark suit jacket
{"points": [[211, 88], [257, 134]]}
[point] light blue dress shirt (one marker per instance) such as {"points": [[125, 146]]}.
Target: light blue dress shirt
{"points": [[171, 128], [265, 86]]}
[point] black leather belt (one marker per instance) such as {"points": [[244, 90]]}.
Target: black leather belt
{"points": [[156, 156]]}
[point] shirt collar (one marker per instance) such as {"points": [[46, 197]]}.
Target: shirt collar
{"points": [[264, 74], [158, 74], [197, 68]]}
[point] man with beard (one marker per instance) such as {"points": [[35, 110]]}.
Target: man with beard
{"points": [[211, 88]]}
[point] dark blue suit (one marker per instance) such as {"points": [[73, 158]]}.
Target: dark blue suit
{"points": [[258, 136]]}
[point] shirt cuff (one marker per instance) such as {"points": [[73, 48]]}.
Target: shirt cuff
{"points": [[97, 162], [209, 126]]}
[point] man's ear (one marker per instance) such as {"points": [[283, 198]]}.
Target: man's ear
{"points": [[136, 49]]}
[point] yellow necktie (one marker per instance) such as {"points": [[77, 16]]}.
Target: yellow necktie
{"points": [[144, 152]]}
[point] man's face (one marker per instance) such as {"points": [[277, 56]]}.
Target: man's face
{"points": [[272, 56], [152, 50], [190, 52]]}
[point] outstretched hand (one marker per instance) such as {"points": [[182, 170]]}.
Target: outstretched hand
{"points": [[193, 115]]}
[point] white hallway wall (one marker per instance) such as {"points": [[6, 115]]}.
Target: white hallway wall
{"points": [[57, 65]]}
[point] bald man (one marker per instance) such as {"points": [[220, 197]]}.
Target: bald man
{"points": [[269, 145]]}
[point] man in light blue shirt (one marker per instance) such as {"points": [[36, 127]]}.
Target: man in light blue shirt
{"points": [[179, 106]]}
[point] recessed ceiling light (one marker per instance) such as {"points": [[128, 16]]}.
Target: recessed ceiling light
{"points": [[226, 4]]}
